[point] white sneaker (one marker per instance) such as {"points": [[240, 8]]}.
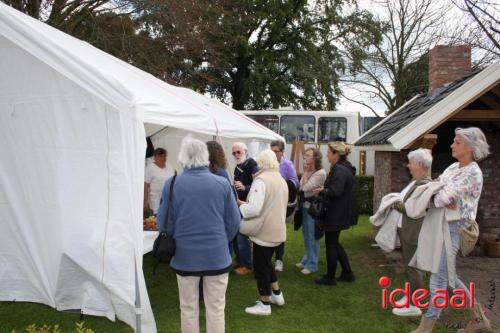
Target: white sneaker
{"points": [[401, 301], [305, 271], [259, 309], [299, 265], [407, 312], [278, 266], [277, 299]]}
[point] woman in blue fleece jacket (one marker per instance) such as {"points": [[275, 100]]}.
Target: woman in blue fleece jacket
{"points": [[204, 218]]}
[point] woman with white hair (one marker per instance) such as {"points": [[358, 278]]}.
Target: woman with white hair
{"points": [[463, 182], [202, 218], [419, 165], [267, 199]]}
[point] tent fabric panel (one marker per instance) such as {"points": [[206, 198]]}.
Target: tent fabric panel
{"points": [[66, 171]]}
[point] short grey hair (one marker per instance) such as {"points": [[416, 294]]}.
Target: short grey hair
{"points": [[193, 153], [476, 140], [278, 143], [267, 160], [241, 145], [423, 156]]}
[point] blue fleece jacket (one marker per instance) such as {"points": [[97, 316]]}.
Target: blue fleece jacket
{"points": [[205, 218]]}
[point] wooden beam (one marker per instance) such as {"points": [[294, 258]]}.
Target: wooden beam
{"points": [[492, 102], [425, 141], [478, 115], [496, 90]]}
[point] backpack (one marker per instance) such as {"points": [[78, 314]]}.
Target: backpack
{"points": [[292, 198]]}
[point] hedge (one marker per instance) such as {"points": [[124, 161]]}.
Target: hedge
{"points": [[365, 194]]}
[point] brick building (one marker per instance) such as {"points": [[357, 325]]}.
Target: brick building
{"points": [[457, 97]]}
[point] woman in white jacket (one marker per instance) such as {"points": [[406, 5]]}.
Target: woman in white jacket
{"points": [[463, 183], [267, 199]]}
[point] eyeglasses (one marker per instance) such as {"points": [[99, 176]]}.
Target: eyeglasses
{"points": [[238, 152]]}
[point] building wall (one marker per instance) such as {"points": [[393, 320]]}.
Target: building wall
{"points": [[391, 174], [488, 216]]}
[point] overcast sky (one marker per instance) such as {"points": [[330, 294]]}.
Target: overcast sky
{"points": [[454, 17]]}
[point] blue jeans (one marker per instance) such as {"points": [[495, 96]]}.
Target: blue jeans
{"points": [[243, 255], [310, 259], [439, 280]]}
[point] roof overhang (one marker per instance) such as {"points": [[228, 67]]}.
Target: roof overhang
{"points": [[384, 120], [385, 147], [447, 107]]}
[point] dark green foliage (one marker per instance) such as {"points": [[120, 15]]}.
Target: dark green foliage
{"points": [[258, 54], [254, 54], [365, 194]]}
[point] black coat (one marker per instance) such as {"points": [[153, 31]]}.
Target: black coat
{"points": [[340, 197]]}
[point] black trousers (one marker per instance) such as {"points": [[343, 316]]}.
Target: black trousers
{"points": [[263, 268], [335, 252], [280, 251]]}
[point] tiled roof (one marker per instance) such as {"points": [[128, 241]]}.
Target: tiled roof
{"points": [[381, 134]]}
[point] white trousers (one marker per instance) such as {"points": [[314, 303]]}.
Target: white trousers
{"points": [[214, 294]]}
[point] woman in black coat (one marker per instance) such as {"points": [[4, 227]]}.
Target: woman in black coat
{"points": [[339, 197]]}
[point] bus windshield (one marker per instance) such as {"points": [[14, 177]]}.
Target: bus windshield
{"points": [[297, 128]]}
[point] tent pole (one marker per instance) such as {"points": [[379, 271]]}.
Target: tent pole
{"points": [[138, 313]]}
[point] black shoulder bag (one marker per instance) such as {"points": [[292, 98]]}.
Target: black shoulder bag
{"points": [[318, 207], [164, 245]]}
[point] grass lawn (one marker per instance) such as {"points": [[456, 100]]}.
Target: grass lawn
{"points": [[347, 307]]}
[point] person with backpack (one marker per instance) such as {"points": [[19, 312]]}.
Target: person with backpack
{"points": [[289, 174]]}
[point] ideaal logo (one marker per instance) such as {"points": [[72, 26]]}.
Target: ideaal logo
{"points": [[442, 299]]}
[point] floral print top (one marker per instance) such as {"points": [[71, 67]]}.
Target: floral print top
{"points": [[462, 186]]}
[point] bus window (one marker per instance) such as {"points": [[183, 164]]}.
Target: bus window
{"points": [[297, 128], [369, 122], [268, 121], [332, 129]]}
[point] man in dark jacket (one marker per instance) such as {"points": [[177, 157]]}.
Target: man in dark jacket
{"points": [[245, 168], [339, 197]]}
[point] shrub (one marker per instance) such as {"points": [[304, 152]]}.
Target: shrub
{"points": [[365, 194]]}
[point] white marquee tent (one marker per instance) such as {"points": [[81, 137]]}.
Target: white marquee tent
{"points": [[72, 144]]}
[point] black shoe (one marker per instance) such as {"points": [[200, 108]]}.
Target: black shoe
{"points": [[346, 277], [326, 281]]}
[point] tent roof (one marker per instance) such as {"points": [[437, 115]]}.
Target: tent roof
{"points": [[125, 86]]}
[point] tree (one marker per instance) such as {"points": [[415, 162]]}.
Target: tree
{"points": [[480, 28], [68, 15], [386, 71], [260, 53], [106, 24], [251, 53]]}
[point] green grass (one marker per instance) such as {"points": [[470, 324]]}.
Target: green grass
{"points": [[347, 307]]}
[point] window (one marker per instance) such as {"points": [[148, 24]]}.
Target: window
{"points": [[332, 129], [268, 121], [297, 128]]}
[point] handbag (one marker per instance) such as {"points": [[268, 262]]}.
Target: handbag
{"points": [[468, 238], [164, 245], [298, 216], [251, 227], [317, 209], [297, 219]]}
